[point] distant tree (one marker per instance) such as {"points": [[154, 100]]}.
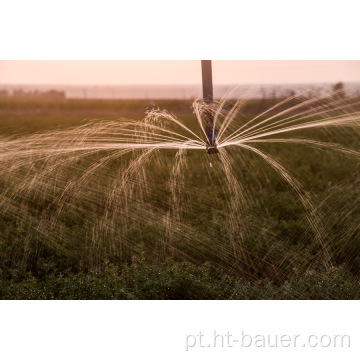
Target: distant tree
{"points": [[263, 93], [289, 93], [49, 94], [273, 93], [338, 90]]}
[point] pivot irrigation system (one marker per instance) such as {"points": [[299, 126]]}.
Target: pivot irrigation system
{"points": [[208, 100]]}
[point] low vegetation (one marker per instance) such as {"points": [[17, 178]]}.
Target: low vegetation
{"points": [[273, 257]]}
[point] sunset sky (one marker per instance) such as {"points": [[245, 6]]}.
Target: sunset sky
{"points": [[133, 72]]}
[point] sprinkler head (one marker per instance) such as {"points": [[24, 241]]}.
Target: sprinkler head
{"points": [[211, 146], [212, 150]]}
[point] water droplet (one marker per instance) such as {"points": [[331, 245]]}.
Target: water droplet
{"points": [[210, 164]]}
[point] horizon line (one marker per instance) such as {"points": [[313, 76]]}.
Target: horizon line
{"points": [[189, 84]]}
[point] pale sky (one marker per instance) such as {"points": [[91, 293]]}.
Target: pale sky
{"points": [[158, 72]]}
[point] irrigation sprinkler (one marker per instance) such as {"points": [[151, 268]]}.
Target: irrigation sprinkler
{"points": [[208, 97]]}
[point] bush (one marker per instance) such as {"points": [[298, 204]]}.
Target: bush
{"points": [[174, 280]]}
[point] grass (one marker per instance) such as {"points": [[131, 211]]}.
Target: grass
{"points": [[278, 257]]}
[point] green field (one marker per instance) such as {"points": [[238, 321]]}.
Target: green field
{"points": [[151, 251]]}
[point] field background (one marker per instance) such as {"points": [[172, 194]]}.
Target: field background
{"points": [[281, 263]]}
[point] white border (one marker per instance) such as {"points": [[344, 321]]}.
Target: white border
{"points": [[157, 330], [187, 29]]}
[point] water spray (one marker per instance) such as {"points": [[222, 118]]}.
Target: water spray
{"points": [[207, 84]]}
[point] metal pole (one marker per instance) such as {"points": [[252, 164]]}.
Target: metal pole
{"points": [[207, 81], [208, 99]]}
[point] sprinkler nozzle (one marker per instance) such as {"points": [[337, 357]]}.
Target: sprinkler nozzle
{"points": [[211, 146], [212, 150]]}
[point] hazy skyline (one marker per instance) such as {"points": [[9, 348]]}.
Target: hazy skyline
{"points": [[166, 72]]}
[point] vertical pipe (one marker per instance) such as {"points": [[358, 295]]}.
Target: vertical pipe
{"points": [[207, 81], [208, 97]]}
